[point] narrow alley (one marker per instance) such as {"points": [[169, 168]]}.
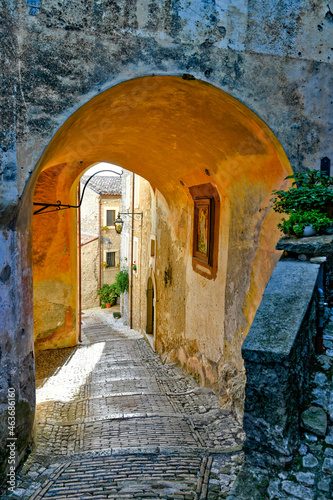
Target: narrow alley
{"points": [[114, 422]]}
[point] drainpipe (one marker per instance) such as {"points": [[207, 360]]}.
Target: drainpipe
{"points": [[80, 283], [132, 241]]}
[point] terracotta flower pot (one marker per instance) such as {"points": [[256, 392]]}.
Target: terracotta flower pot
{"points": [[107, 304]]}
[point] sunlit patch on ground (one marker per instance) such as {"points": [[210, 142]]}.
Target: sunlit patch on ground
{"points": [[76, 369]]}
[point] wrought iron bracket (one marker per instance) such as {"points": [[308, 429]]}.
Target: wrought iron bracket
{"points": [[61, 206], [137, 215]]}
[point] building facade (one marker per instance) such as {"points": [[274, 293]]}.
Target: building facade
{"points": [[100, 244]]}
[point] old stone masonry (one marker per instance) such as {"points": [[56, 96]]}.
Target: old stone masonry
{"points": [[115, 423], [309, 475]]}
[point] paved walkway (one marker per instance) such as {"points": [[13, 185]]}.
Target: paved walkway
{"points": [[113, 422]]}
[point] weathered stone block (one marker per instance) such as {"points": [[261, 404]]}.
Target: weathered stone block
{"points": [[277, 353], [313, 245], [309, 461], [314, 419], [298, 491]]}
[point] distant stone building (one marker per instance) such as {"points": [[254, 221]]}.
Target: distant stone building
{"points": [[100, 244], [136, 252]]}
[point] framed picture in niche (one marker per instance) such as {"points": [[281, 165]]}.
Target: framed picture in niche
{"points": [[202, 229], [206, 218]]}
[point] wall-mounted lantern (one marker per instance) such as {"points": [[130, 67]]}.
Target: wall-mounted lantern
{"points": [[118, 223], [108, 243]]}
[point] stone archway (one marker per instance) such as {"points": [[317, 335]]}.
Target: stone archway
{"points": [[176, 133], [195, 134]]}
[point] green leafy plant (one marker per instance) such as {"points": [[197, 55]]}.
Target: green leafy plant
{"points": [[122, 281], [298, 220], [104, 228], [108, 294], [308, 202], [309, 192]]}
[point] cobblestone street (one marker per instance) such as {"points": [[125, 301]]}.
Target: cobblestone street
{"points": [[114, 422]]}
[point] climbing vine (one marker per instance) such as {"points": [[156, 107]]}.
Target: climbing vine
{"points": [[122, 281]]}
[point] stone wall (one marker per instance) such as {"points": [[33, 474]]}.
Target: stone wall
{"points": [[278, 353], [90, 212], [89, 274], [317, 249], [16, 372], [70, 51]]}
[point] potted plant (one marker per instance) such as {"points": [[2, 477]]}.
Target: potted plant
{"points": [[104, 264], [104, 294], [305, 223], [308, 203], [113, 294], [104, 228], [133, 266], [108, 294]]}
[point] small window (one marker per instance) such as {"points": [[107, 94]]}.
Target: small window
{"points": [[110, 217], [111, 259], [152, 246]]}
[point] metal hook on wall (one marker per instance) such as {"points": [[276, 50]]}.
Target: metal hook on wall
{"points": [[61, 206]]}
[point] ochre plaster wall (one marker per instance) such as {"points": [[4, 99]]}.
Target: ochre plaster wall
{"points": [[55, 282], [201, 323]]}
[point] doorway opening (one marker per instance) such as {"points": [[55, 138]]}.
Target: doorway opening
{"points": [[150, 312]]}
